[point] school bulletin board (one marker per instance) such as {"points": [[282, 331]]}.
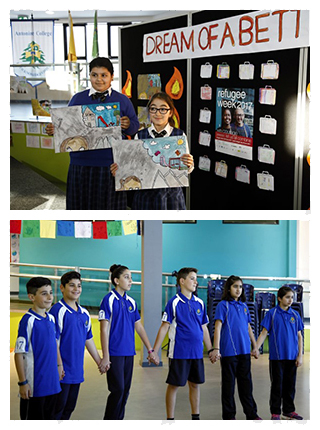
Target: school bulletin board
{"points": [[264, 175]]}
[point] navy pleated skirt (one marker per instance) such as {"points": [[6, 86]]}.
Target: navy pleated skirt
{"points": [[159, 199], [93, 188]]}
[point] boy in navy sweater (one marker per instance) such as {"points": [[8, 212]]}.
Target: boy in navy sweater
{"points": [[90, 184]]}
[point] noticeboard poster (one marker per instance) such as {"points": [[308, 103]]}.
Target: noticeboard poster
{"points": [[234, 121]]}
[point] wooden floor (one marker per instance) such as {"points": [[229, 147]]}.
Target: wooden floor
{"points": [[147, 395]]}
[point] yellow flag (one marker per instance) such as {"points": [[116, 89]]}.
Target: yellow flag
{"points": [[48, 229], [72, 49], [130, 227]]}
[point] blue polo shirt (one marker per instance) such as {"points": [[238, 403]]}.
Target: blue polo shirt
{"points": [[37, 341], [122, 314], [73, 329], [283, 327], [186, 318], [235, 317]]}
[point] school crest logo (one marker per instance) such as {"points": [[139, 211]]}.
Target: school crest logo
{"points": [[292, 320], [245, 310], [33, 54]]}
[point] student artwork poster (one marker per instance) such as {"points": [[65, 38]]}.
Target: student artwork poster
{"points": [[234, 122]]}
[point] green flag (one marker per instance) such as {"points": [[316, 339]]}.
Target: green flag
{"points": [[95, 46]]}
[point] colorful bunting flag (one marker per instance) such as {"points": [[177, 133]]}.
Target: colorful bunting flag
{"points": [[48, 229], [82, 229], [31, 228], [65, 228], [99, 230], [114, 228], [130, 227], [15, 226]]}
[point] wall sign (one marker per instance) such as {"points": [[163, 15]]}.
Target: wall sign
{"points": [[253, 32]]}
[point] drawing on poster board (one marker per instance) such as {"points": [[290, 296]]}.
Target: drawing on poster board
{"points": [[148, 85], [86, 127], [234, 121], [150, 163]]}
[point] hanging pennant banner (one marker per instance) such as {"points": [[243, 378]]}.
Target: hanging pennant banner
{"points": [[32, 44], [253, 32]]}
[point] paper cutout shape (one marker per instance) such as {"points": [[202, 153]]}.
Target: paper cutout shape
{"points": [[87, 127], [243, 174], [265, 181], [246, 71], [205, 115], [267, 95], [221, 169], [206, 70], [204, 163], [204, 138], [31, 228], [114, 228], [127, 88], [223, 71], [48, 229], [269, 70], [99, 230], [150, 163], [268, 125], [65, 228], [206, 92], [266, 154], [148, 85], [174, 87]]}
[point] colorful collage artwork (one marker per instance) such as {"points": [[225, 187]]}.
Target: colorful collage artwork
{"points": [[150, 163], [87, 127]]}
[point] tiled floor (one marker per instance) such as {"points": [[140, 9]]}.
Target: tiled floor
{"points": [[147, 396]]}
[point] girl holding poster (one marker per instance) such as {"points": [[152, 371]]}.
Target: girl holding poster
{"points": [[161, 108]]}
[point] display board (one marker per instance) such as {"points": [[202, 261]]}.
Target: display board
{"points": [[251, 164], [233, 190]]}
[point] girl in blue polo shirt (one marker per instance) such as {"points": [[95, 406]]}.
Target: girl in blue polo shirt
{"points": [[119, 318], [232, 345], [284, 326]]}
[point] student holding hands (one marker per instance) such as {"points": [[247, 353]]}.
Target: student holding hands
{"points": [[186, 319], [73, 325], [284, 327], [119, 318], [232, 336], [37, 358]]}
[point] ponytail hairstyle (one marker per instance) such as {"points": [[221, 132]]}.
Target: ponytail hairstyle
{"points": [[226, 289], [116, 271], [167, 99]]}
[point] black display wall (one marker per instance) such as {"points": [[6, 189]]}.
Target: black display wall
{"points": [[207, 190], [228, 193], [132, 60]]}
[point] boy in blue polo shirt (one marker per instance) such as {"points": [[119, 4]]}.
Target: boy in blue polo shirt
{"points": [[284, 326], [73, 325], [232, 344], [37, 357], [186, 319], [119, 318]]}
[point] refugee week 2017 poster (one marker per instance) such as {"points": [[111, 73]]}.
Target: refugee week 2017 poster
{"points": [[234, 121]]}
